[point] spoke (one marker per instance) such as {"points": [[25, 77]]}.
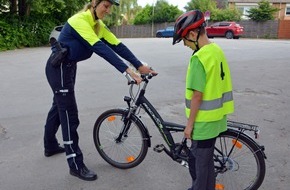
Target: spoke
{"points": [[130, 145], [241, 164]]}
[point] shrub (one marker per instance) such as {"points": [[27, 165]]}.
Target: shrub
{"points": [[16, 32]]}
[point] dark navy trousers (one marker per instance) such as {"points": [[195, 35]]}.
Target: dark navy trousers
{"points": [[201, 164], [63, 112]]}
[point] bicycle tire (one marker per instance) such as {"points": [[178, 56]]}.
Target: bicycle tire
{"points": [[245, 167], [132, 148]]}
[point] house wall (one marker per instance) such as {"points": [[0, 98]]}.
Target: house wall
{"points": [[280, 15]]}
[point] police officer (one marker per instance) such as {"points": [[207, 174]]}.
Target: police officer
{"points": [[82, 35], [208, 96]]}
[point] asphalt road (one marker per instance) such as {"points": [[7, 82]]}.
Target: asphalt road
{"points": [[260, 71]]}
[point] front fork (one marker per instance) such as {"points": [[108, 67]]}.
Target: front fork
{"points": [[127, 121]]}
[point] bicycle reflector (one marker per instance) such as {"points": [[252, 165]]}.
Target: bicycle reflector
{"points": [[237, 144], [219, 186], [111, 118], [130, 158]]}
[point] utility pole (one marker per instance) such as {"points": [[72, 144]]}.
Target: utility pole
{"points": [[152, 27]]}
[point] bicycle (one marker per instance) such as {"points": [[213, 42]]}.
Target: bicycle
{"points": [[122, 140]]}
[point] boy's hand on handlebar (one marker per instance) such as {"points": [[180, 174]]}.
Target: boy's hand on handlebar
{"points": [[146, 70]]}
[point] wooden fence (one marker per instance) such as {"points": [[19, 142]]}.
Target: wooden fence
{"points": [[274, 29]]}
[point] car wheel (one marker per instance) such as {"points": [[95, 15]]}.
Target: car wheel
{"points": [[229, 35], [158, 35]]}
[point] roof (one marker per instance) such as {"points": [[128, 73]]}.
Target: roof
{"points": [[257, 1]]}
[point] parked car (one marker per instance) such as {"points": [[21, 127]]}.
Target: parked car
{"points": [[167, 32], [225, 29], [55, 32]]}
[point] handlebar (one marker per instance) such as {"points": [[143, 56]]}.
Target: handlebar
{"points": [[145, 77]]}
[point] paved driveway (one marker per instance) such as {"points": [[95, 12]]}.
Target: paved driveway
{"points": [[260, 72]]}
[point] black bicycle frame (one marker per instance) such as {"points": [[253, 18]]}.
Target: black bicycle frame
{"points": [[164, 127]]}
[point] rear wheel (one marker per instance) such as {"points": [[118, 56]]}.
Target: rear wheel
{"points": [[121, 146], [229, 35], [239, 163]]}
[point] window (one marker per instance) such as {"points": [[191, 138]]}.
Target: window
{"points": [[244, 8], [225, 24], [215, 24], [287, 12]]}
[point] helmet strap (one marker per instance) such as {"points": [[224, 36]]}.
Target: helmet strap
{"points": [[195, 41], [197, 38], [95, 8]]}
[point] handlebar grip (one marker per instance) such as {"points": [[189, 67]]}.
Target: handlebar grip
{"points": [[130, 79]]}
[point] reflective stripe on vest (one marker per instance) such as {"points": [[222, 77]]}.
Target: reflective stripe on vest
{"points": [[213, 104]]}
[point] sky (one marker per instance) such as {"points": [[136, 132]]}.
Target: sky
{"points": [[180, 3]]}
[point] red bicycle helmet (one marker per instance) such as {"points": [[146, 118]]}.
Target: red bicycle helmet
{"points": [[186, 22]]}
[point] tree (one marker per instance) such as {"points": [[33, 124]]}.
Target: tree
{"points": [[263, 12], [216, 13], [53, 7], [225, 14], [129, 9], [202, 5], [123, 14], [163, 12], [28, 23], [144, 16]]}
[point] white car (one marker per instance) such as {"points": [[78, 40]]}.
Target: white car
{"points": [[55, 32]]}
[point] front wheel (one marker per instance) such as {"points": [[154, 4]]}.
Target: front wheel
{"points": [[120, 142], [239, 162]]}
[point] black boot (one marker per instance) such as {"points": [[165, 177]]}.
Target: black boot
{"points": [[84, 173]]}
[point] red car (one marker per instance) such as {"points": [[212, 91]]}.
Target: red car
{"points": [[225, 29]]}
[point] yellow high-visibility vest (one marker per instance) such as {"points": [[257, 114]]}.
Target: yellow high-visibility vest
{"points": [[217, 96]]}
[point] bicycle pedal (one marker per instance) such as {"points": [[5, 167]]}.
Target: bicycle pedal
{"points": [[159, 148]]}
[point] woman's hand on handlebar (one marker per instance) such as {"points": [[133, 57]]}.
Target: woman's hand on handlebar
{"points": [[146, 70], [134, 76]]}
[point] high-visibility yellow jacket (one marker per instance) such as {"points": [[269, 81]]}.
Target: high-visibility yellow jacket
{"points": [[82, 35]]}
